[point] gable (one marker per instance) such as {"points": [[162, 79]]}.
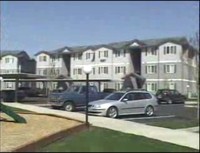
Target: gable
{"points": [[134, 44], [66, 51]]}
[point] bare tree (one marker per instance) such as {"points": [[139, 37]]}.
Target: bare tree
{"points": [[194, 40], [52, 73]]}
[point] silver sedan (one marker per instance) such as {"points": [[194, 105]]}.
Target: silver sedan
{"points": [[124, 103]]}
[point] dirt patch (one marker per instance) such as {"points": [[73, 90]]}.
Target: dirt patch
{"points": [[14, 135]]}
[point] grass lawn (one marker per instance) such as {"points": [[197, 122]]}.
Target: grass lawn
{"points": [[173, 123], [104, 140]]}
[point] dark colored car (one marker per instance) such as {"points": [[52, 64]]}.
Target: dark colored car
{"points": [[109, 90], [170, 96], [9, 95], [75, 97], [30, 92]]}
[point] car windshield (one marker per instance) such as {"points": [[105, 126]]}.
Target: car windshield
{"points": [[114, 96], [73, 89]]}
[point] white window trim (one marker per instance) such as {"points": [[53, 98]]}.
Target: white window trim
{"points": [[171, 67], [150, 69]]}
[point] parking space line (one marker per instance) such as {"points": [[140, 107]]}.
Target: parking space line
{"points": [[142, 118]]}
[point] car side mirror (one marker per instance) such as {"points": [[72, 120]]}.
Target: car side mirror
{"points": [[124, 100]]}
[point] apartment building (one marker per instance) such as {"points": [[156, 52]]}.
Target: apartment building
{"points": [[52, 64], [14, 62], [165, 63]]}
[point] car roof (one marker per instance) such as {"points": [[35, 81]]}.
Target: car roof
{"points": [[132, 91]]}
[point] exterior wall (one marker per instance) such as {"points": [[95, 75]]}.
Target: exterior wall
{"points": [[12, 65], [111, 62], [96, 63], [184, 75], [25, 66], [56, 63], [185, 69]]}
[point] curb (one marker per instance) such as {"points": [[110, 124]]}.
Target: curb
{"points": [[33, 146]]}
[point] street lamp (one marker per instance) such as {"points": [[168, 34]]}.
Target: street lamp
{"points": [[87, 70]]}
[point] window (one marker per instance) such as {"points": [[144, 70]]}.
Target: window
{"points": [[42, 58], [172, 85], [121, 69], [79, 71], [9, 85], [106, 70], [118, 86], [170, 68], [105, 85], [124, 52], [167, 50], [99, 70], [135, 96], [151, 69], [147, 96], [106, 53], [7, 60], [138, 96], [170, 50], [93, 70], [174, 49], [103, 70], [75, 71], [117, 54], [153, 51], [152, 86], [45, 72], [103, 54], [87, 55]]}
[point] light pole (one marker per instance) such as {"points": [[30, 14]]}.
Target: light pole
{"points": [[87, 70]]}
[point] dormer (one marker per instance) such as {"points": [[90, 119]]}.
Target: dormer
{"points": [[136, 44]]}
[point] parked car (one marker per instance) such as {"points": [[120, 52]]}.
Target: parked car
{"points": [[109, 90], [74, 97], [124, 103], [170, 96], [30, 92], [9, 95]]}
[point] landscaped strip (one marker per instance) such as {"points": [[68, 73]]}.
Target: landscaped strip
{"points": [[173, 123], [104, 140]]}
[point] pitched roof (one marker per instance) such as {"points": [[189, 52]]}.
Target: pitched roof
{"points": [[157, 42], [119, 45], [15, 53]]}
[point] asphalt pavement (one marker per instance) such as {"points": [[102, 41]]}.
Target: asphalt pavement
{"points": [[164, 111]]}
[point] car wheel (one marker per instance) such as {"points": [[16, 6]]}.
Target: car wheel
{"points": [[68, 106], [169, 101], [149, 111], [112, 112]]}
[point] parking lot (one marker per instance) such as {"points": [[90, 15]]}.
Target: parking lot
{"points": [[165, 112]]}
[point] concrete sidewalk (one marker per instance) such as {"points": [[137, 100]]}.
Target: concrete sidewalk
{"points": [[191, 102], [179, 137]]}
